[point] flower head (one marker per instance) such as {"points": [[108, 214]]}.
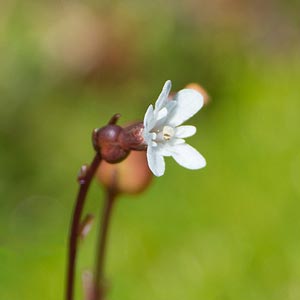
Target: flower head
{"points": [[164, 136]]}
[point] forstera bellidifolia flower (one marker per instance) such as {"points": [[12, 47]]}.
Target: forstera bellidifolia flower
{"points": [[163, 134]]}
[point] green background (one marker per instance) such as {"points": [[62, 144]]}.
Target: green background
{"points": [[228, 231]]}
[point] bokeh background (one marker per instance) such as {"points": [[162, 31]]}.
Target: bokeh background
{"points": [[229, 231]]}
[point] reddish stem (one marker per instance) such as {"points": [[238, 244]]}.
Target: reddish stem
{"points": [[99, 281], [84, 181]]}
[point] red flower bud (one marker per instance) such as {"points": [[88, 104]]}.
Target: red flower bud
{"points": [[106, 139], [114, 142]]}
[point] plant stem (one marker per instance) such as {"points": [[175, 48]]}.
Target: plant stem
{"points": [[84, 182], [99, 283]]}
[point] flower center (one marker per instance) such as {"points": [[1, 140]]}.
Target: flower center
{"points": [[168, 132]]}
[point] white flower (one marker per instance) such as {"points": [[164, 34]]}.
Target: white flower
{"points": [[164, 136]]}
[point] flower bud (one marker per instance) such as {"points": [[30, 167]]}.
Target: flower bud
{"points": [[106, 140], [131, 176], [114, 142], [131, 137]]}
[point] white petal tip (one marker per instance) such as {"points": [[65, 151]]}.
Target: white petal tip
{"points": [[188, 157], [185, 131], [158, 174], [201, 164], [188, 103], [156, 162], [194, 96]]}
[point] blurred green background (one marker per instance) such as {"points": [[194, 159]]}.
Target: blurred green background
{"points": [[228, 231]]}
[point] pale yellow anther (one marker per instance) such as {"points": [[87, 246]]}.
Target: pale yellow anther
{"points": [[168, 132]]}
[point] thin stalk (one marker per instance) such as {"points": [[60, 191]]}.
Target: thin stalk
{"points": [[84, 181], [99, 281]]}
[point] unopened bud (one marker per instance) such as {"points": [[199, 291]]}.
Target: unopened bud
{"points": [[197, 87], [114, 142], [131, 137], [106, 140], [131, 176]]}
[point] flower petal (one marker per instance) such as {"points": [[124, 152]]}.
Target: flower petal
{"points": [[176, 141], [163, 97], [156, 161], [189, 102], [161, 114], [149, 120], [164, 150], [188, 157], [163, 117], [185, 131], [167, 148]]}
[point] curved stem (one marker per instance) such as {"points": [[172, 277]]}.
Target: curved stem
{"points": [[84, 181], [99, 284]]}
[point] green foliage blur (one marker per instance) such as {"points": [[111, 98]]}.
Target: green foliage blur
{"points": [[228, 231]]}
